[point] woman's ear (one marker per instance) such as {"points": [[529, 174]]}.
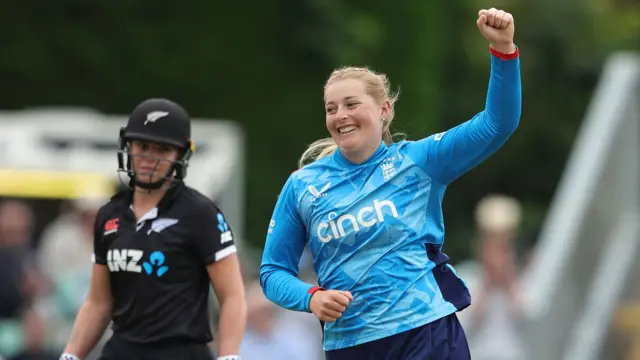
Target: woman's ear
{"points": [[386, 109]]}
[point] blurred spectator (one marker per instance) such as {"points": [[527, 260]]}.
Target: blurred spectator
{"points": [[493, 321], [305, 325], [33, 338], [19, 282], [65, 253], [269, 335], [262, 340]]}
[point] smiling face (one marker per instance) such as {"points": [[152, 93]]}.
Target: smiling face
{"points": [[355, 119], [359, 108]]}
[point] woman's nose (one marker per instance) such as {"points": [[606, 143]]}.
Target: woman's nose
{"points": [[341, 114], [147, 159]]}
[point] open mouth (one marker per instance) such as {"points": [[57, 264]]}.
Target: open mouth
{"points": [[347, 129]]}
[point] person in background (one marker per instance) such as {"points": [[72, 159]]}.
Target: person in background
{"points": [[20, 280], [493, 322], [264, 339], [34, 338], [66, 246]]}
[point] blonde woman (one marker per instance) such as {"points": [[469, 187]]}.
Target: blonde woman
{"points": [[370, 211]]}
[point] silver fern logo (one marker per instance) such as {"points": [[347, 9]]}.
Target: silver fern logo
{"points": [[155, 115]]}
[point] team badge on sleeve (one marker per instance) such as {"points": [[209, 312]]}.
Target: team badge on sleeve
{"points": [[225, 232], [111, 227]]}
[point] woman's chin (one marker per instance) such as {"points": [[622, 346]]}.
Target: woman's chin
{"points": [[348, 144]]}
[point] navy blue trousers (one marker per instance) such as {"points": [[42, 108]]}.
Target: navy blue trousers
{"points": [[442, 339]]}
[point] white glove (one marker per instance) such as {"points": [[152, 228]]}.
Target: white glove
{"points": [[67, 356], [229, 357]]}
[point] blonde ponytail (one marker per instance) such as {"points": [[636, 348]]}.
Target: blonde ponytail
{"points": [[317, 150]]}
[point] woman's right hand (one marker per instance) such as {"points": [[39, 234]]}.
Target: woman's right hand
{"points": [[328, 305]]}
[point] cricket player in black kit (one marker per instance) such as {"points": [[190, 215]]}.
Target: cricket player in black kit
{"points": [[158, 246]]}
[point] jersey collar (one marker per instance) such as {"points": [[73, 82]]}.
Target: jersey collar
{"points": [[126, 197], [378, 154]]}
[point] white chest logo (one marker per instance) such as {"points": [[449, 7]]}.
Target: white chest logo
{"points": [[160, 224], [388, 170], [337, 227], [317, 194], [124, 260]]}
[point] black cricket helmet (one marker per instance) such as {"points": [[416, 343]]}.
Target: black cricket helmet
{"points": [[160, 121]]}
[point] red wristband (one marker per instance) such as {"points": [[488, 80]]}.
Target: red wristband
{"points": [[512, 56], [314, 289]]}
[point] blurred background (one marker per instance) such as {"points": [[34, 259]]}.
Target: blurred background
{"points": [[546, 232]]}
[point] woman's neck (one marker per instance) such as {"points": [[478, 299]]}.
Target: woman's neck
{"points": [[360, 156], [144, 200]]}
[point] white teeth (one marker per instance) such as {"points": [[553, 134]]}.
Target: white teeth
{"points": [[346, 129]]}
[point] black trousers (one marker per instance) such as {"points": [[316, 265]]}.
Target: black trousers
{"points": [[118, 349]]}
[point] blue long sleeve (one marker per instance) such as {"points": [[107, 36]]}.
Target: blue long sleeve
{"points": [[281, 257], [452, 153]]}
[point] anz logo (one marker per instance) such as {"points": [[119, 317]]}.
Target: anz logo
{"points": [[128, 260], [366, 217], [156, 262]]}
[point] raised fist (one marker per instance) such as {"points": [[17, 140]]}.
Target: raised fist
{"points": [[498, 28]]}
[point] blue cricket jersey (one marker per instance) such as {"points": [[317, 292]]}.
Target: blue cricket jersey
{"points": [[376, 229]]}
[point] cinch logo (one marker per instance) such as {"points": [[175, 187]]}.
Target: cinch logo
{"points": [[225, 233], [366, 217], [128, 260]]}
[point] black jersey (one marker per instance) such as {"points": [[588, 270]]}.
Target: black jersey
{"points": [[157, 265]]}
